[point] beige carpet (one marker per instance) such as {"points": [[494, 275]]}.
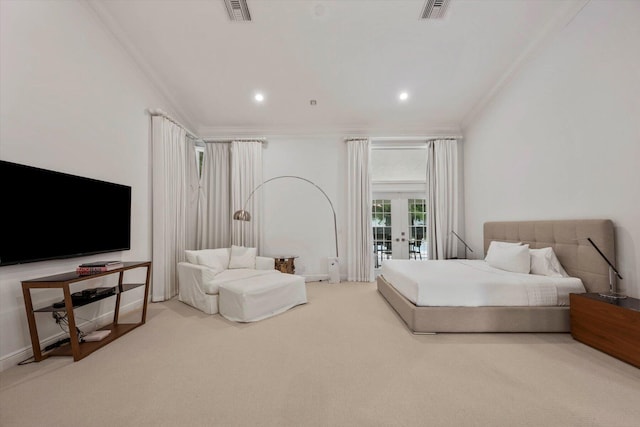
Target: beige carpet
{"points": [[343, 359]]}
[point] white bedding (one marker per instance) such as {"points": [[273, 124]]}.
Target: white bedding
{"points": [[473, 283]]}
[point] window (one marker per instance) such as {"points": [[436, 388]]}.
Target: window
{"points": [[399, 165], [199, 158], [417, 228], [381, 224]]}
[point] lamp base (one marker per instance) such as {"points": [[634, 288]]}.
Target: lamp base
{"points": [[334, 270], [612, 295]]}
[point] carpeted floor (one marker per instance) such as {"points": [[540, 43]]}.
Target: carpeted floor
{"points": [[343, 359]]}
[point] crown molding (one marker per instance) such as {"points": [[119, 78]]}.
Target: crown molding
{"points": [[340, 131], [544, 37], [122, 40]]}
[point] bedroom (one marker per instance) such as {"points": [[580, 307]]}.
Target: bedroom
{"points": [[556, 138]]}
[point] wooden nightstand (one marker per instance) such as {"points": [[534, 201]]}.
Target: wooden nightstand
{"points": [[285, 264], [609, 325]]}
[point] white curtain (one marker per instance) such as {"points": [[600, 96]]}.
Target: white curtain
{"points": [[193, 195], [246, 175], [359, 234], [170, 196], [214, 216], [442, 197]]}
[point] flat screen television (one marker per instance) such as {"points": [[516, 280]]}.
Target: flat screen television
{"points": [[50, 215]]}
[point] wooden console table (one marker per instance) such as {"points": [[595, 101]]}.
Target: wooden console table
{"points": [[63, 281], [609, 325]]}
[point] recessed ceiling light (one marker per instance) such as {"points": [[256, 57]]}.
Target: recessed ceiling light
{"points": [[403, 96], [258, 97]]}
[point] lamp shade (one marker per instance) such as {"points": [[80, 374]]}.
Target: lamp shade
{"points": [[242, 215]]}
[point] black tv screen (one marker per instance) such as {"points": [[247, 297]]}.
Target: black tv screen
{"points": [[49, 215]]}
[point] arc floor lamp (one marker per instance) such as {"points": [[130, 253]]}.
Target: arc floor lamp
{"points": [[244, 215]]}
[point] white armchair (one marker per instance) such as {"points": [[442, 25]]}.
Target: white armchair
{"points": [[200, 277]]}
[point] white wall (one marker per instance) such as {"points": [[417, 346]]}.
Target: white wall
{"points": [[71, 100], [298, 218], [562, 140]]}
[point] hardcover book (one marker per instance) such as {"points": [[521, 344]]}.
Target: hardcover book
{"points": [[94, 270], [102, 264]]}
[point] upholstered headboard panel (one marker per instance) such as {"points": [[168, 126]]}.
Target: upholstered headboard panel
{"points": [[568, 240]]}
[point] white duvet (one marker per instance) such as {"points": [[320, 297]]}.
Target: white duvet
{"points": [[473, 283]]}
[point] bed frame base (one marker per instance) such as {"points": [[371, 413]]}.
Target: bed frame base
{"points": [[474, 319], [568, 240]]}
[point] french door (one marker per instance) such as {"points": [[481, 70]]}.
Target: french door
{"points": [[399, 229]]}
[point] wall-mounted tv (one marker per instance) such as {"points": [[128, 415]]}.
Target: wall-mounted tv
{"points": [[49, 215]]}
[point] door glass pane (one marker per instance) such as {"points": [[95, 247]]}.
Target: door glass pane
{"points": [[399, 229], [381, 224], [417, 228]]}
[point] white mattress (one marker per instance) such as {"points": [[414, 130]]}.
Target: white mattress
{"points": [[473, 283]]}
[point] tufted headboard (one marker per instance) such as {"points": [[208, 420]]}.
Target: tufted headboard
{"points": [[568, 240]]}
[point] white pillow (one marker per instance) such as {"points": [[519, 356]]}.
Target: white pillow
{"points": [[242, 257], [215, 259], [192, 256], [545, 262], [510, 257]]}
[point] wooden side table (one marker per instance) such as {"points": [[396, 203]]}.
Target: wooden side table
{"points": [[609, 325], [286, 264]]}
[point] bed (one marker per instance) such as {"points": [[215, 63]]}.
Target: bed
{"points": [[434, 311]]}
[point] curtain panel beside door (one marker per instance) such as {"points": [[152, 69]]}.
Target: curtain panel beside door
{"points": [[359, 237], [442, 197]]}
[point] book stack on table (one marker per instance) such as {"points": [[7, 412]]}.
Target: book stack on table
{"points": [[98, 267]]}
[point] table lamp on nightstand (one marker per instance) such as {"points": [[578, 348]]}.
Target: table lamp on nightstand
{"points": [[612, 276], [464, 243]]}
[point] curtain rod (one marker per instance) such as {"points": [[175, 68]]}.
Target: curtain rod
{"points": [[415, 138], [227, 140], [160, 113], [403, 138]]}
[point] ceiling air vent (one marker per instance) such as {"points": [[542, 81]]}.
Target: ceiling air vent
{"points": [[238, 10], [434, 9]]}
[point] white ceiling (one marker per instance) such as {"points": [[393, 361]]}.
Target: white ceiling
{"points": [[352, 56]]}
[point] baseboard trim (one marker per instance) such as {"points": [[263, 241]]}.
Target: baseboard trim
{"points": [[315, 277], [12, 359]]}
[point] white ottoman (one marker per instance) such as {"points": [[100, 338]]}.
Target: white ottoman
{"points": [[260, 297]]}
